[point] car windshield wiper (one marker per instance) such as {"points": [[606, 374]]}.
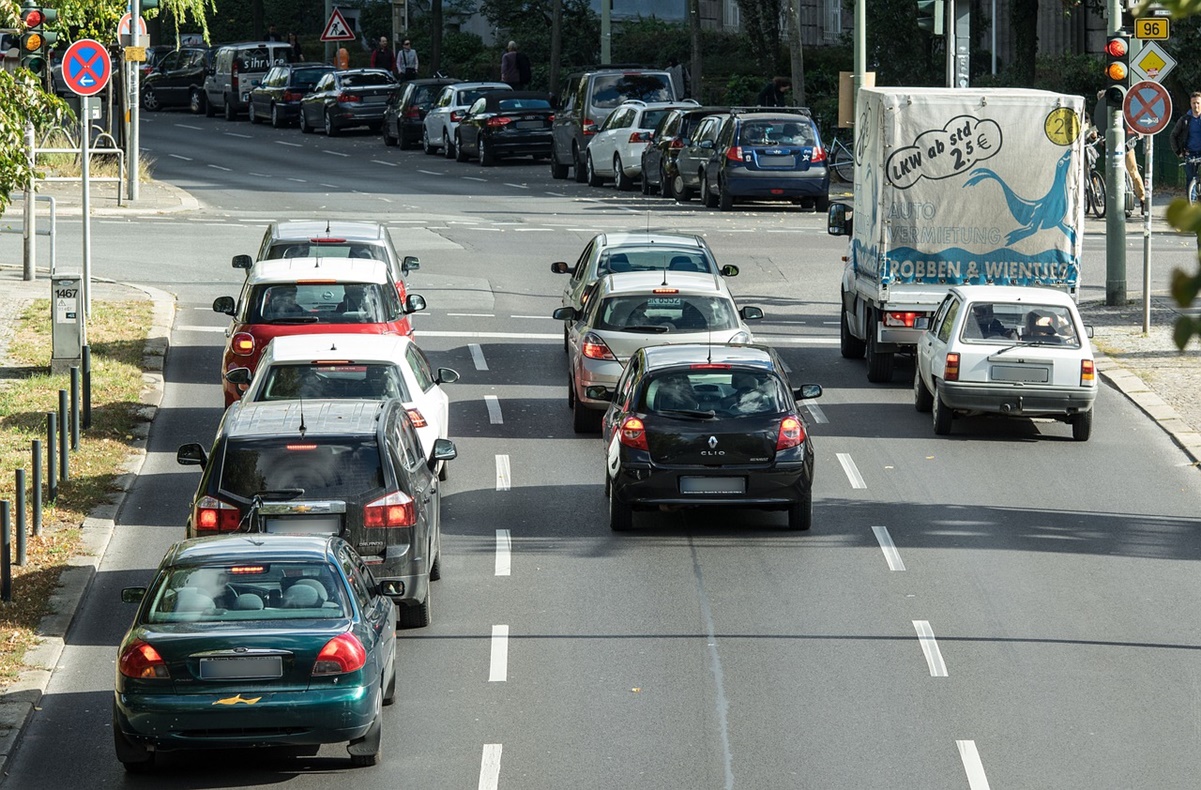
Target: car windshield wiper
{"points": [[696, 414], [1024, 344], [655, 328], [296, 319]]}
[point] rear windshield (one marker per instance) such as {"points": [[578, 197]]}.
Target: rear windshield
{"points": [[666, 313], [423, 95], [651, 118], [468, 98], [313, 469], [344, 249], [367, 79], [777, 132], [318, 303], [654, 259], [523, 104], [732, 392], [610, 90], [339, 381], [998, 322], [308, 77], [245, 592]]}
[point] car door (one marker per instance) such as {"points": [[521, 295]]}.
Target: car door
{"points": [[582, 275], [652, 157], [435, 119], [716, 157], [419, 482], [562, 128], [312, 106], [379, 630], [937, 341], [602, 146], [469, 127], [167, 72]]}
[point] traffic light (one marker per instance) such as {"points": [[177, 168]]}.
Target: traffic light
{"points": [[1117, 68], [36, 41], [931, 16]]}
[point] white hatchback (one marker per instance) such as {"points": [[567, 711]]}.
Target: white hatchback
{"points": [[1013, 351], [615, 152], [452, 104]]}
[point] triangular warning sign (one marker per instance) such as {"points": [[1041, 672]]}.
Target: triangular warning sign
{"points": [[336, 28]]}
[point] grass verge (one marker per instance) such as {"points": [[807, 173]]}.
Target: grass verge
{"points": [[116, 335]]}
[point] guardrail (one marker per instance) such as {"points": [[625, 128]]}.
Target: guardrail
{"points": [[119, 179], [52, 233]]}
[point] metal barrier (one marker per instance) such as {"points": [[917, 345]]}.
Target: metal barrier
{"points": [[52, 233], [119, 179]]}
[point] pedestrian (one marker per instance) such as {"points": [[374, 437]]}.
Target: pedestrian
{"points": [[1136, 178], [382, 57], [272, 34], [406, 61], [775, 93], [295, 54], [508, 67], [1186, 139], [680, 78]]}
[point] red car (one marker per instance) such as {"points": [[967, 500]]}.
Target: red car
{"points": [[297, 296]]}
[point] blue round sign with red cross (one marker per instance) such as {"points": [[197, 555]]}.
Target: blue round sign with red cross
{"points": [[1147, 108], [86, 67]]}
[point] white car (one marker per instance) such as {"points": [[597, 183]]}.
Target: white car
{"points": [[349, 366], [615, 152], [438, 130], [1008, 350]]}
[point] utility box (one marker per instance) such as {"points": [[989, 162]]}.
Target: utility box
{"points": [[67, 329]]}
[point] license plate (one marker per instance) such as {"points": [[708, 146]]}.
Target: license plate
{"points": [[712, 485], [531, 124], [376, 99], [239, 668], [777, 161], [1026, 374], [325, 525]]}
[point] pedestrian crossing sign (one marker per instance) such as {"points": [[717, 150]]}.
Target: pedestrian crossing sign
{"points": [[336, 28]]}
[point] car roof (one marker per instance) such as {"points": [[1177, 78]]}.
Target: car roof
{"points": [[258, 547], [499, 96], [645, 282], [474, 85], [355, 347], [770, 114], [297, 229], [1013, 293], [345, 72], [692, 353], [296, 270], [266, 419], [641, 238]]}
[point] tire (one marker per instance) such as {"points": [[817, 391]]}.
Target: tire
{"points": [[565, 344], [330, 129], [621, 515], [879, 363], [436, 567], [460, 152], [150, 101], [844, 166], [800, 515], [557, 171], [581, 173], [923, 399], [428, 149], [593, 179], [850, 346], [389, 140], [1099, 196], [941, 413], [584, 419], [448, 146], [487, 158], [621, 181], [375, 126], [304, 123], [209, 110], [725, 201], [230, 113], [1082, 426], [821, 204], [414, 616], [251, 115], [277, 120], [707, 196], [679, 190], [196, 101]]}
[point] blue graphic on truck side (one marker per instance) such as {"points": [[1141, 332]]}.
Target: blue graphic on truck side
{"points": [[1044, 213]]}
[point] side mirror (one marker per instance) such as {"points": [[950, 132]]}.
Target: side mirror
{"points": [[729, 270], [560, 267], [566, 314], [390, 588], [839, 219], [447, 376], [921, 322], [224, 305], [414, 303], [750, 313], [239, 376], [133, 594], [444, 450], [808, 392], [706, 144], [242, 262], [1088, 330], [599, 392], [410, 264], [191, 454]]}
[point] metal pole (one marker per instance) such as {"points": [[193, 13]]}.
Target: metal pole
{"points": [[51, 451], [84, 133], [74, 408], [948, 21], [20, 476], [606, 41], [36, 508], [329, 45], [87, 386], [993, 35], [860, 57], [135, 102], [6, 553], [1147, 235], [64, 472], [31, 216], [1115, 189]]}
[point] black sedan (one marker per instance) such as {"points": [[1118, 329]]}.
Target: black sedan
{"points": [[505, 123], [405, 113], [277, 97], [342, 99], [708, 426]]}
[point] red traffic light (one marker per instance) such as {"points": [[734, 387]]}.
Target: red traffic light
{"points": [[1116, 48], [33, 18]]}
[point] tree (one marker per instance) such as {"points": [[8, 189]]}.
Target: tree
{"points": [[761, 21]]}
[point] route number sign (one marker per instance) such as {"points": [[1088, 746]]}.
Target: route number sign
{"points": [[1156, 28]]}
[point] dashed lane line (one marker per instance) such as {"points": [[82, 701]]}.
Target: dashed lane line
{"points": [[816, 413], [498, 667], [219, 167], [186, 126], [477, 355], [177, 156], [504, 552], [382, 162], [494, 415], [891, 555], [490, 767], [290, 145], [851, 470], [925, 638], [503, 478], [976, 780]]}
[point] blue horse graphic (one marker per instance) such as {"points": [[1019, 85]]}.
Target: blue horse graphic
{"points": [[1046, 212]]}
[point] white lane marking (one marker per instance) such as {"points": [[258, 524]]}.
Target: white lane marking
{"points": [[382, 162], [474, 315], [386, 200], [331, 186], [493, 230], [516, 186], [816, 412], [793, 340], [428, 172], [533, 230], [852, 471], [555, 194], [490, 767], [235, 134], [891, 555], [499, 335], [925, 637], [219, 167], [504, 552], [256, 175], [477, 356], [200, 328], [503, 481], [494, 415], [298, 180], [976, 780], [292, 145], [720, 702], [333, 153], [547, 317], [473, 178], [177, 156], [498, 668], [185, 126]]}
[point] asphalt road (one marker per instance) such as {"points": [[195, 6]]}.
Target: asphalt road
{"points": [[1003, 607]]}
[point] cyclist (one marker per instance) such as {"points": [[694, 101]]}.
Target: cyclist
{"points": [[1186, 137]]}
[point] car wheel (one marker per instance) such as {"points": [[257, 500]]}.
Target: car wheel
{"points": [[821, 204], [375, 126], [942, 413], [436, 567], [594, 180], [209, 110], [584, 419], [879, 363], [416, 615], [389, 140], [707, 196], [277, 118], [150, 100], [725, 201], [581, 169], [800, 514], [923, 399], [565, 344], [304, 123], [679, 190], [621, 515], [251, 115], [620, 180], [330, 129], [196, 102], [1082, 426], [850, 346], [460, 153], [230, 113], [448, 147], [570, 393], [557, 171], [425, 143], [484, 151], [645, 183]]}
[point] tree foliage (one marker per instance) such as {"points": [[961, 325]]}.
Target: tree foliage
{"points": [[528, 22], [761, 23]]}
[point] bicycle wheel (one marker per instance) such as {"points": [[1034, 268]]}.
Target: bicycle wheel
{"points": [[1097, 183], [1194, 190], [844, 164]]}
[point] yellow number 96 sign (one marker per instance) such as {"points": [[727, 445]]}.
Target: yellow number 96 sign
{"points": [[1156, 28]]}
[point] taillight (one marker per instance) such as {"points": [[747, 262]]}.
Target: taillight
{"points": [[1088, 373], [639, 137], [588, 127], [595, 348], [550, 119], [413, 112], [708, 366], [211, 514], [233, 76], [242, 344], [676, 144], [734, 153], [498, 120], [456, 116], [417, 418], [819, 154], [293, 95], [143, 662], [344, 653], [632, 433], [952, 371], [349, 98], [901, 319], [791, 434], [394, 510]]}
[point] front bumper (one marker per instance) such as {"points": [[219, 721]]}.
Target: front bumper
{"points": [[1016, 400]]}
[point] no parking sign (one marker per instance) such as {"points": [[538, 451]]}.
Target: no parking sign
{"points": [[87, 67]]}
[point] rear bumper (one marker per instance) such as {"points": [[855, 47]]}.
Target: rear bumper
{"points": [[1016, 400], [774, 186], [596, 373], [778, 486], [523, 146], [358, 116]]}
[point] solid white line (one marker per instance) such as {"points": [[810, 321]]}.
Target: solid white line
{"points": [[474, 315], [333, 153], [477, 356], [429, 172], [200, 328], [794, 340], [533, 230], [516, 186], [490, 767], [493, 404], [235, 134], [891, 555], [292, 145], [498, 668], [555, 194], [331, 186], [925, 638], [219, 167], [504, 552], [382, 162], [503, 482], [473, 178], [499, 335], [177, 156], [816, 412], [976, 780], [852, 471], [185, 126]]}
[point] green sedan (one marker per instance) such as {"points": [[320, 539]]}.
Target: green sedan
{"points": [[255, 640]]}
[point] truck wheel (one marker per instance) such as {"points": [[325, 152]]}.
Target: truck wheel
{"points": [[942, 414], [923, 400], [879, 363], [850, 346]]}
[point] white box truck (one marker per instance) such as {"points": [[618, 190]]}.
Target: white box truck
{"points": [[954, 186]]}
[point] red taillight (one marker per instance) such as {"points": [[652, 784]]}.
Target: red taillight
{"points": [[324, 240], [498, 120], [293, 95], [242, 344], [632, 433], [676, 144], [349, 98], [734, 154], [413, 113], [211, 514], [952, 371], [1088, 373], [595, 348], [143, 662], [233, 75], [456, 116], [901, 319], [344, 653], [417, 418], [791, 434], [550, 119], [819, 154], [639, 137], [394, 510], [588, 127]]}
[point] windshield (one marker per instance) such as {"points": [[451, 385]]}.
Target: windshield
{"points": [[777, 131], [317, 303], [377, 381], [666, 313], [655, 259], [610, 90], [321, 469], [250, 591], [726, 391], [1001, 323]]}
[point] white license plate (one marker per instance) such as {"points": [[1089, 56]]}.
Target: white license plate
{"points": [[530, 124], [239, 668], [712, 485], [777, 161], [376, 99], [1026, 374], [330, 525]]}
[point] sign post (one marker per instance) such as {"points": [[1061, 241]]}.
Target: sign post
{"points": [[1147, 110]]}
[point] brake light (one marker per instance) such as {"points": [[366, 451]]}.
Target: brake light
{"points": [[791, 434], [300, 446], [293, 95], [708, 366], [326, 240], [349, 98], [734, 154], [242, 344], [213, 515], [639, 137], [588, 127], [417, 418], [233, 75], [819, 154], [143, 662], [413, 112], [456, 116], [550, 118], [344, 653], [952, 371], [666, 291], [676, 144], [632, 433], [498, 120], [901, 319], [595, 348], [394, 510], [1088, 373], [248, 570]]}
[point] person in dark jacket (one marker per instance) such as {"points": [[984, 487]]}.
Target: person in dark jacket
{"points": [[775, 93], [382, 57], [1186, 136]]}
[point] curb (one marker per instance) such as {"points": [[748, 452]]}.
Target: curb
{"points": [[1142, 396], [19, 701], [69, 206]]}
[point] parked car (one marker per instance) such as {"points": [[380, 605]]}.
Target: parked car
{"points": [[277, 97], [344, 99], [672, 134], [692, 159], [768, 154], [1007, 350], [237, 69], [615, 152], [263, 640], [635, 309], [405, 114], [438, 128], [177, 79], [707, 426], [586, 102], [503, 124], [354, 469]]}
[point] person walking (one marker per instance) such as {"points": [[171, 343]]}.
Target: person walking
{"points": [[272, 34], [775, 93], [382, 57], [295, 54], [1186, 137], [508, 67], [406, 61]]}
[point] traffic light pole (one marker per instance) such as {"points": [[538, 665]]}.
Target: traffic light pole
{"points": [[1115, 188]]}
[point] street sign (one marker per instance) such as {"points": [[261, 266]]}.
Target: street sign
{"points": [[127, 21], [1153, 27], [1152, 63], [336, 28], [1148, 107], [86, 67]]}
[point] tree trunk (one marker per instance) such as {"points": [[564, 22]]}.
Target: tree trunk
{"points": [[1023, 16], [694, 34], [556, 43], [796, 51]]}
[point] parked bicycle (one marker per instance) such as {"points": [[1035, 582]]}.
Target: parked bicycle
{"points": [[842, 161], [1094, 181], [1193, 187]]}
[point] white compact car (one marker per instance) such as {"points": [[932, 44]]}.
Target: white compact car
{"points": [[1013, 351], [438, 131], [615, 152]]}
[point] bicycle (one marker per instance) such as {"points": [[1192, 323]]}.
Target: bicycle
{"points": [[1193, 188], [1094, 181], [842, 161]]}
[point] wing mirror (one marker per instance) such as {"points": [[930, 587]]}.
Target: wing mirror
{"points": [[410, 264], [729, 270], [750, 313], [808, 392], [566, 314], [560, 267], [239, 376], [921, 322], [839, 219], [191, 454], [444, 450], [414, 303], [1088, 330], [599, 392], [706, 144], [224, 305], [447, 376], [242, 262]]}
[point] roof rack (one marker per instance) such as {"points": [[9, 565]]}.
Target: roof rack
{"points": [[614, 66], [800, 110]]}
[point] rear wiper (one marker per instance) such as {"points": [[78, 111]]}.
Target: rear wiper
{"points": [[656, 328], [693, 413], [1024, 343]]}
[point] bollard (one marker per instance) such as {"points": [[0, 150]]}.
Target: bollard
{"points": [[74, 409], [51, 451], [64, 473], [20, 475], [6, 570], [87, 387], [36, 506]]}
